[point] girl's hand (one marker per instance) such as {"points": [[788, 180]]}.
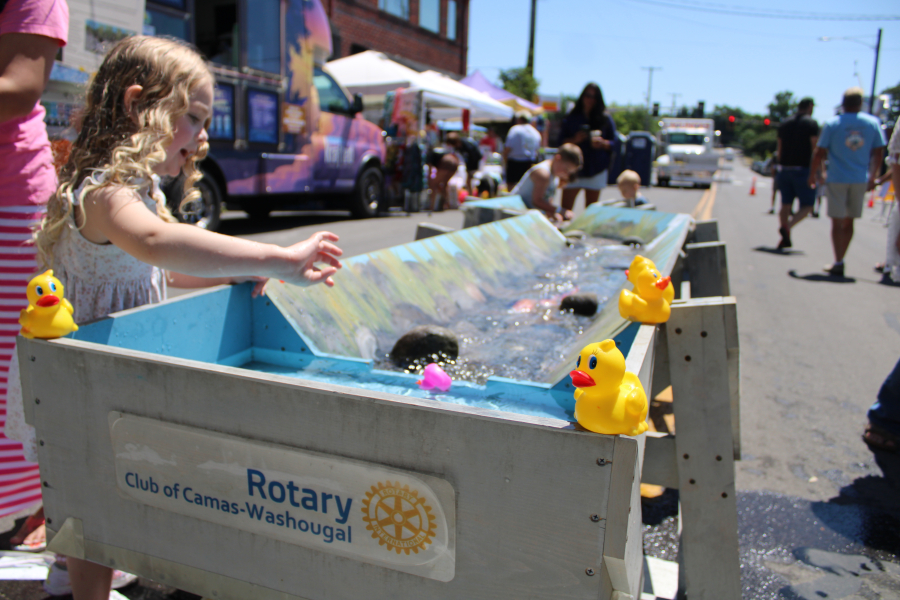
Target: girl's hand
{"points": [[600, 143], [258, 290], [304, 255]]}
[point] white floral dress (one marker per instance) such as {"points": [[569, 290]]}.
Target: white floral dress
{"points": [[98, 279]]}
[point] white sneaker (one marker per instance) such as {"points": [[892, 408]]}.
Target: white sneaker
{"points": [[114, 595], [58, 584]]}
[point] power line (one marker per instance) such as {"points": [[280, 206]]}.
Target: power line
{"points": [[743, 11]]}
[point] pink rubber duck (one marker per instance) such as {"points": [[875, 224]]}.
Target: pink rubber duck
{"points": [[435, 377]]}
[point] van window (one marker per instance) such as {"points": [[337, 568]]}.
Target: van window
{"points": [[430, 15], [264, 36], [331, 96], [217, 31]]}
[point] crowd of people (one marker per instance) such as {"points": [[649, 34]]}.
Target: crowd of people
{"points": [[841, 162], [587, 146]]}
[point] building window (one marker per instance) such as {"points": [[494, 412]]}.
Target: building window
{"points": [[399, 8], [160, 22], [264, 36], [451, 19], [430, 15]]}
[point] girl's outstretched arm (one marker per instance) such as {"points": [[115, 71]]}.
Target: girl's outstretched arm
{"points": [[119, 216]]}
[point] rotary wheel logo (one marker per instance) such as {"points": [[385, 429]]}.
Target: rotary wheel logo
{"points": [[398, 518]]}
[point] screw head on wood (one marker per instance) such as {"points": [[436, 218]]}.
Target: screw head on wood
{"points": [[595, 518], [603, 462], [589, 572]]}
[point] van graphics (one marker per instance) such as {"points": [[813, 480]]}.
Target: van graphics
{"points": [[396, 519]]}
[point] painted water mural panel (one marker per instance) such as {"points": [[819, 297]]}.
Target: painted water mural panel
{"points": [[496, 286]]}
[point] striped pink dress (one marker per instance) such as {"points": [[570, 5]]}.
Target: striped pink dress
{"points": [[27, 180]]}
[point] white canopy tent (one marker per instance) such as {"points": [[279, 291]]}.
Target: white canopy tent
{"points": [[373, 74]]}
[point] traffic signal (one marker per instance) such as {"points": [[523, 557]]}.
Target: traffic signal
{"points": [[766, 122], [656, 109], [731, 118]]}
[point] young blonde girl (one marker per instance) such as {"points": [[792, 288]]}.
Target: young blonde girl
{"points": [[108, 235]]}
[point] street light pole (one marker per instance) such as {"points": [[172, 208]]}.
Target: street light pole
{"points": [[876, 47], [875, 73]]}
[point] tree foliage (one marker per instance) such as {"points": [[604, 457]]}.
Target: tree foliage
{"points": [[520, 82], [783, 106], [633, 118]]}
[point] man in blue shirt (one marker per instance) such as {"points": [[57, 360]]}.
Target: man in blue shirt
{"points": [[854, 144]]}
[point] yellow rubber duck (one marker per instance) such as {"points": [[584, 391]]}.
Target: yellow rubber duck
{"points": [[608, 399], [640, 263], [48, 315], [646, 304]]}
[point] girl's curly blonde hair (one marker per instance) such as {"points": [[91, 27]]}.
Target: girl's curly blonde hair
{"points": [[128, 146]]}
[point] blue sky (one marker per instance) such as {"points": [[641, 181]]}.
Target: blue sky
{"points": [[721, 59]]}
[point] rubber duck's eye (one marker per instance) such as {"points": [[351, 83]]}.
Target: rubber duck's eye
{"points": [[593, 363], [39, 290], [578, 362], [52, 287]]}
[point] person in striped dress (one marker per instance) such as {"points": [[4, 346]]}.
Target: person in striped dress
{"points": [[31, 33]]}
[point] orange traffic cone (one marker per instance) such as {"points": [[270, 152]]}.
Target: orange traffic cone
{"points": [[753, 187]]}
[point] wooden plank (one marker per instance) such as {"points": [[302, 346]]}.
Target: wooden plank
{"points": [[427, 230], [733, 347], [660, 466], [526, 488], [706, 231], [623, 481], [661, 379], [707, 264], [698, 358]]}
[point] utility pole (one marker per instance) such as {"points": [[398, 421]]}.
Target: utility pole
{"points": [[529, 67], [874, 74], [649, 91], [674, 105], [650, 83]]}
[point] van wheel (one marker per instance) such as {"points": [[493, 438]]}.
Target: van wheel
{"points": [[368, 198], [662, 183], [206, 211]]}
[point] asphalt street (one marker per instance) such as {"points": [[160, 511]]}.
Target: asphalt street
{"points": [[817, 516]]}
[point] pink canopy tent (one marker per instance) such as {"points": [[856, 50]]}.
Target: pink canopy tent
{"points": [[479, 82]]}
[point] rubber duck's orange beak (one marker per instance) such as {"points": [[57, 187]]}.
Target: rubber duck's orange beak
{"points": [[580, 379], [626, 273], [663, 283], [48, 300]]}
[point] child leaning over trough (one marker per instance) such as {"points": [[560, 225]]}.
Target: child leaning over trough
{"points": [[539, 183], [108, 235]]}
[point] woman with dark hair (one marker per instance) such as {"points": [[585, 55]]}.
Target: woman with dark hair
{"points": [[589, 127]]}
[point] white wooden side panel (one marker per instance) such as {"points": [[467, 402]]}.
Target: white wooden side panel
{"points": [[525, 491]]}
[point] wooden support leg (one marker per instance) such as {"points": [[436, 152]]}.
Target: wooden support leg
{"points": [[707, 265], [697, 337]]}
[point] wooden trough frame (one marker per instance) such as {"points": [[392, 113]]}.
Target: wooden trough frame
{"points": [[530, 507]]}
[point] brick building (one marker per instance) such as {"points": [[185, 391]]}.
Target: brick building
{"points": [[422, 34]]}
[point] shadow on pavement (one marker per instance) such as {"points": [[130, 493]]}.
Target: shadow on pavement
{"points": [[776, 251], [821, 277]]}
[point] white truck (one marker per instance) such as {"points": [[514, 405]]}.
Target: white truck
{"points": [[686, 152]]}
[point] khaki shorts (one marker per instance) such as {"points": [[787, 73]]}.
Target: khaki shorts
{"points": [[846, 200]]}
